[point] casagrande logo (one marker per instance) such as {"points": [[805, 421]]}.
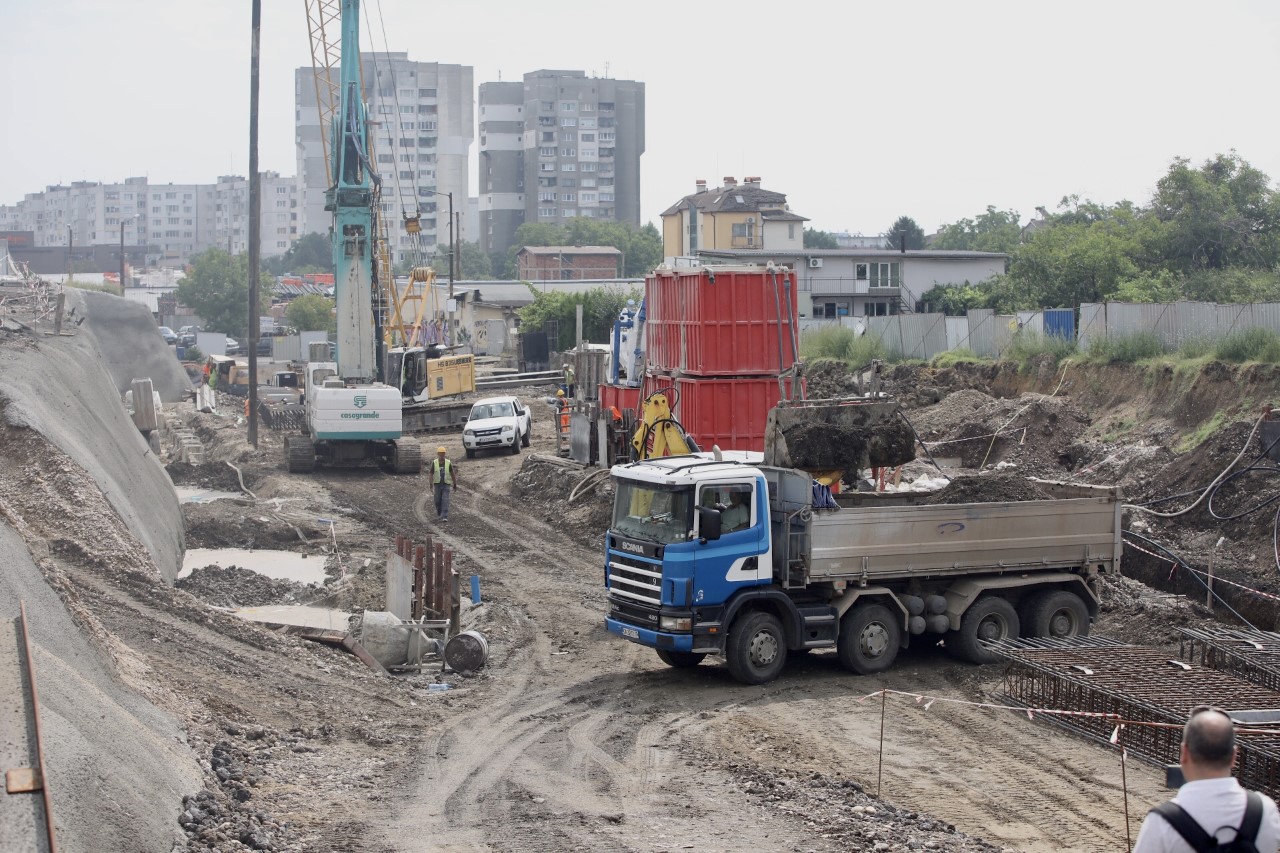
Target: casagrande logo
{"points": [[360, 401]]}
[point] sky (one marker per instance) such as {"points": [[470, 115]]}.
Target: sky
{"points": [[858, 112]]}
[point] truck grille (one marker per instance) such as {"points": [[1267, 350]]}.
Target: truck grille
{"points": [[635, 580], [487, 432]]}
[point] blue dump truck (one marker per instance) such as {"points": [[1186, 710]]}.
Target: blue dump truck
{"points": [[712, 554]]}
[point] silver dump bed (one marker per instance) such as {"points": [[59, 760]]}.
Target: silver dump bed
{"points": [[1080, 526]]}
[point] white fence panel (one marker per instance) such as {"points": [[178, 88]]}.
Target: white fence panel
{"points": [[982, 332], [957, 332], [286, 348]]}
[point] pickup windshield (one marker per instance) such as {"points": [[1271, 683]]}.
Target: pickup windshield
{"points": [[490, 410], [648, 511]]}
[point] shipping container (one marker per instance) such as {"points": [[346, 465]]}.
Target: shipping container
{"points": [[721, 320], [621, 397], [730, 413]]}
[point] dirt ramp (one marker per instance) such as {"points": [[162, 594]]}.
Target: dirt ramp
{"points": [[128, 342]]}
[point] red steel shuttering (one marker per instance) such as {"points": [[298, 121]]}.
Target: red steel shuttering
{"points": [[721, 321], [620, 397], [728, 412]]}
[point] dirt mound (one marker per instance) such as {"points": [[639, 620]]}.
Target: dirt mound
{"points": [[1033, 431], [995, 487], [210, 475], [547, 484], [237, 587]]}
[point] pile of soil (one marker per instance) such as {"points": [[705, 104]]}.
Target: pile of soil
{"points": [[210, 475], [546, 485], [236, 587], [994, 487], [1033, 431]]}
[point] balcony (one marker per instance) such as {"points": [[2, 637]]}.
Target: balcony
{"points": [[750, 242]]}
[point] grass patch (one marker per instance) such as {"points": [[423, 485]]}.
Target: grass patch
{"points": [[841, 344], [1118, 429], [1196, 348], [1192, 440], [1028, 345], [950, 358], [1254, 344], [1126, 349]]}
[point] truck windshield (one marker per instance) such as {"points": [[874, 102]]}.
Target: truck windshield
{"points": [[648, 511]]}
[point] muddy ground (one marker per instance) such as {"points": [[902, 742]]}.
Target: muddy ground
{"points": [[571, 739]]}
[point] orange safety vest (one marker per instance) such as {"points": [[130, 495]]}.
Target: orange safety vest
{"points": [[564, 415]]}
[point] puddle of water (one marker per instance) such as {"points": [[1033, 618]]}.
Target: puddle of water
{"points": [[278, 565], [196, 495]]}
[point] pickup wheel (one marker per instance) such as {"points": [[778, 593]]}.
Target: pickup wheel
{"points": [[299, 454], [515, 445], [757, 649], [1056, 613], [988, 620], [870, 636], [471, 454], [680, 660], [524, 437]]}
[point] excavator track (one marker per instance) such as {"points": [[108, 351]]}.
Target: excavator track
{"points": [[436, 416]]}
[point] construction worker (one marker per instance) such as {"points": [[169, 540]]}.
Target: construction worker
{"points": [[568, 380], [443, 481], [562, 404]]}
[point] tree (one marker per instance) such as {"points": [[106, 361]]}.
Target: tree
{"points": [[1225, 213], [906, 227], [217, 290], [815, 239], [312, 313], [474, 265], [310, 253], [992, 231], [600, 308]]}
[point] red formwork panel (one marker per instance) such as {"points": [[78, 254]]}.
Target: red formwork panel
{"points": [[721, 321], [621, 397], [728, 412]]}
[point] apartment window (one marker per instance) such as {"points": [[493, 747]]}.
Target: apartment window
{"points": [[408, 108], [568, 152], [407, 93], [282, 231], [589, 167], [791, 230], [407, 126], [546, 196], [187, 222], [606, 106], [588, 137], [155, 210], [568, 136], [173, 220], [546, 151], [607, 136], [586, 122], [170, 195], [426, 93], [406, 158], [282, 203], [588, 152], [426, 141], [606, 152], [860, 272], [568, 167], [568, 182], [606, 196], [546, 167], [587, 196], [568, 106], [386, 158], [546, 211], [281, 190], [568, 121], [569, 212], [587, 108], [426, 125], [385, 109], [569, 197], [547, 106], [547, 136], [171, 233], [111, 220], [406, 176]]}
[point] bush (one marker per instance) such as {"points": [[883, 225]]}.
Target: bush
{"points": [[192, 353], [1196, 347], [1128, 348], [1255, 344], [842, 344], [956, 356], [1029, 344]]}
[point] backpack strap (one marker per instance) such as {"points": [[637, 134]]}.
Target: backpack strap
{"points": [[1252, 820], [1187, 827]]}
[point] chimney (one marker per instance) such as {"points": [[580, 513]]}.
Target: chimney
{"points": [[730, 182], [700, 186], [752, 182]]}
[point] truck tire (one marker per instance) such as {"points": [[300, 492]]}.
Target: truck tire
{"points": [[870, 636], [406, 456], [299, 454], [1056, 613], [515, 445], [989, 619], [471, 454], [680, 660], [524, 437], [757, 648]]}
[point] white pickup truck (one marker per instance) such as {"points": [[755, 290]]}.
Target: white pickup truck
{"points": [[497, 422]]}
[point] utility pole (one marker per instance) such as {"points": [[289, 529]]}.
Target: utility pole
{"points": [[448, 338], [71, 270], [255, 224]]}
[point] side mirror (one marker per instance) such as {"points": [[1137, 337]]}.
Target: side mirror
{"points": [[708, 524]]}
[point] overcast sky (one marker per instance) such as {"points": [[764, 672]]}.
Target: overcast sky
{"points": [[859, 112]]}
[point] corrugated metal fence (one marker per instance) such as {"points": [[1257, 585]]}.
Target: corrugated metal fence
{"points": [[1174, 323]]}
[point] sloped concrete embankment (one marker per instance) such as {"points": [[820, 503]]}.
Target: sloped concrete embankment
{"points": [[81, 494]]}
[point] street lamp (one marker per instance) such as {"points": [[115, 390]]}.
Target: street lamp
{"points": [[123, 220]]}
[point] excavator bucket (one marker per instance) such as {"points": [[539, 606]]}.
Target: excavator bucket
{"points": [[837, 435]]}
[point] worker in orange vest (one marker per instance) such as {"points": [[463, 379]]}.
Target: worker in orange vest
{"points": [[564, 413]]}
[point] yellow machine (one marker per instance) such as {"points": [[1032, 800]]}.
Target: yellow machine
{"points": [[659, 433]]}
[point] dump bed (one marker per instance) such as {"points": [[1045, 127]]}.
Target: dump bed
{"points": [[885, 543]]}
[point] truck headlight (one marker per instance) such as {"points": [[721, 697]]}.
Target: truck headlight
{"points": [[676, 623], [469, 433], [506, 429]]}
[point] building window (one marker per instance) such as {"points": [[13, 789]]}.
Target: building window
{"points": [[568, 121], [547, 136], [588, 137], [569, 197], [791, 230], [546, 196], [883, 275], [547, 106], [568, 167], [426, 93], [568, 106], [546, 212], [386, 158], [281, 190], [546, 167], [589, 167], [860, 272], [546, 151], [568, 152], [606, 196], [588, 152]]}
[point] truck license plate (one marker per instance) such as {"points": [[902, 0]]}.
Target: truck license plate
{"points": [[631, 632]]}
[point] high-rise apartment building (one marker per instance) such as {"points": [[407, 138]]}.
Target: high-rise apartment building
{"points": [[173, 221], [579, 152], [422, 117]]}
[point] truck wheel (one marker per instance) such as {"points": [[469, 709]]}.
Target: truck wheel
{"points": [[988, 620], [471, 454], [1058, 614], [680, 660], [524, 437], [870, 636], [406, 456], [299, 454], [515, 445], [757, 649]]}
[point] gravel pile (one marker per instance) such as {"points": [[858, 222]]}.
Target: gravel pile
{"points": [[994, 487], [238, 587]]}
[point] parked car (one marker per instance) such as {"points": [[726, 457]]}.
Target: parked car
{"points": [[187, 336], [501, 423], [233, 346], [170, 337]]}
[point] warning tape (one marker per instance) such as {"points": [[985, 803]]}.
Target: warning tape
{"points": [[1164, 558]]}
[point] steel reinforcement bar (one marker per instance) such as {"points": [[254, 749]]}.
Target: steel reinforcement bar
{"points": [[1251, 655], [1138, 685]]}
